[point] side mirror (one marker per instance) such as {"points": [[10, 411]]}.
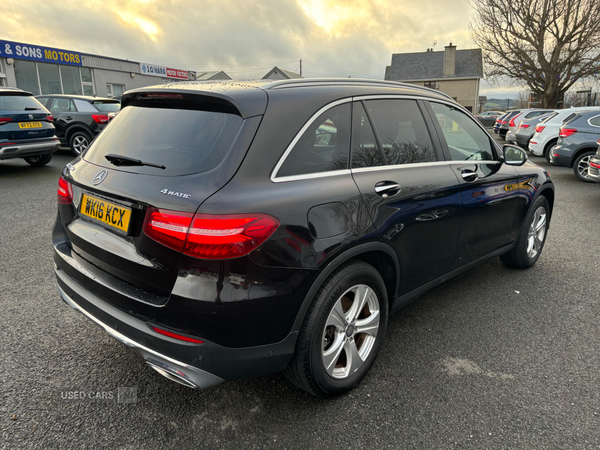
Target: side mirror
{"points": [[513, 155]]}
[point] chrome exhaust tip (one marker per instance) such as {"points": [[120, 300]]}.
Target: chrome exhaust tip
{"points": [[172, 374]]}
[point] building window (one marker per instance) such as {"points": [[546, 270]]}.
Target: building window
{"points": [[49, 78], [114, 89], [87, 81], [53, 78], [2, 73], [430, 84], [71, 80], [26, 74]]}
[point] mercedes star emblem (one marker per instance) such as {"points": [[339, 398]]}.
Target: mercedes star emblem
{"points": [[99, 178]]}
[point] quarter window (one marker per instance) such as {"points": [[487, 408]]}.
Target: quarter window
{"points": [[465, 139], [595, 121], [400, 131], [324, 145]]}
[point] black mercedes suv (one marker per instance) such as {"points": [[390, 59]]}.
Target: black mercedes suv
{"points": [[26, 128], [228, 230]]}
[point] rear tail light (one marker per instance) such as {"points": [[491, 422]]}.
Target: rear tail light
{"points": [[566, 132], [65, 192], [503, 122], [4, 120], [512, 121], [177, 336], [207, 236], [539, 128], [524, 125], [50, 118], [100, 118]]}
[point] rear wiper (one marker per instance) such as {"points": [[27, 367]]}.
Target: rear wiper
{"points": [[29, 108], [119, 160]]}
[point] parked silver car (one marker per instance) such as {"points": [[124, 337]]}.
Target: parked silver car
{"points": [[515, 121]]}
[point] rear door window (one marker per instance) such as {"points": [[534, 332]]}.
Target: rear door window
{"points": [[185, 141], [400, 134], [465, 139], [62, 105], [323, 146]]}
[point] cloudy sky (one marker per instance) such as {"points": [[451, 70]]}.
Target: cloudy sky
{"points": [[246, 38]]}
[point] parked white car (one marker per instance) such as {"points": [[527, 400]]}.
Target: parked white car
{"points": [[546, 132]]}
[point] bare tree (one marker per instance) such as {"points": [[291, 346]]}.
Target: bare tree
{"points": [[543, 45]]}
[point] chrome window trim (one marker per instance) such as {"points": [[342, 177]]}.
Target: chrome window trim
{"points": [[309, 176], [290, 147], [590, 121], [275, 179], [428, 164]]}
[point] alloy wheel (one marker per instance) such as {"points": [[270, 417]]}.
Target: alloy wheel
{"points": [[537, 232], [583, 167], [350, 331], [80, 144]]}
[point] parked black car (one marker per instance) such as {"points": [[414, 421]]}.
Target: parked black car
{"points": [[498, 122], [505, 122], [79, 118], [267, 226], [526, 129], [26, 129], [577, 142]]}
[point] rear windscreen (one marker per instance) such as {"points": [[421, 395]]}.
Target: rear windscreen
{"points": [[107, 106], [184, 141], [19, 103]]}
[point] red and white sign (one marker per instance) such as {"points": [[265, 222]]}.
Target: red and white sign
{"points": [[174, 73]]}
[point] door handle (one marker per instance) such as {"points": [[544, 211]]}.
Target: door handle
{"points": [[387, 188], [68, 118], [469, 175]]}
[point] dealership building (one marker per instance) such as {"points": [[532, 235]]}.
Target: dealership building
{"points": [[46, 70]]}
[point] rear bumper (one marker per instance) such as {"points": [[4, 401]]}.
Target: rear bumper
{"points": [[177, 371], [559, 160], [22, 150], [522, 141], [191, 364]]}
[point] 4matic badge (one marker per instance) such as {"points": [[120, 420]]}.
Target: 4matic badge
{"points": [[175, 194]]}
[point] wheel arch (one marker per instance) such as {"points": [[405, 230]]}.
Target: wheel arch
{"points": [[377, 254], [580, 151], [74, 128], [551, 143], [549, 194]]}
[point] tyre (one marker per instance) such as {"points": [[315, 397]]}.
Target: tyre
{"points": [[581, 166], [531, 241], [79, 142], [548, 151], [38, 161], [342, 332]]}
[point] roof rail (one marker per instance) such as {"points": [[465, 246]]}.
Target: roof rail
{"points": [[312, 81]]}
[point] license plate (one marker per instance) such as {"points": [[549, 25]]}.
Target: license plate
{"points": [[30, 124], [106, 212]]}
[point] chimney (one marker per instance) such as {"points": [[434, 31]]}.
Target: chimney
{"points": [[450, 60]]}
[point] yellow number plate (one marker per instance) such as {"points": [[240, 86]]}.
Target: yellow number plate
{"points": [[106, 212], [30, 124]]}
